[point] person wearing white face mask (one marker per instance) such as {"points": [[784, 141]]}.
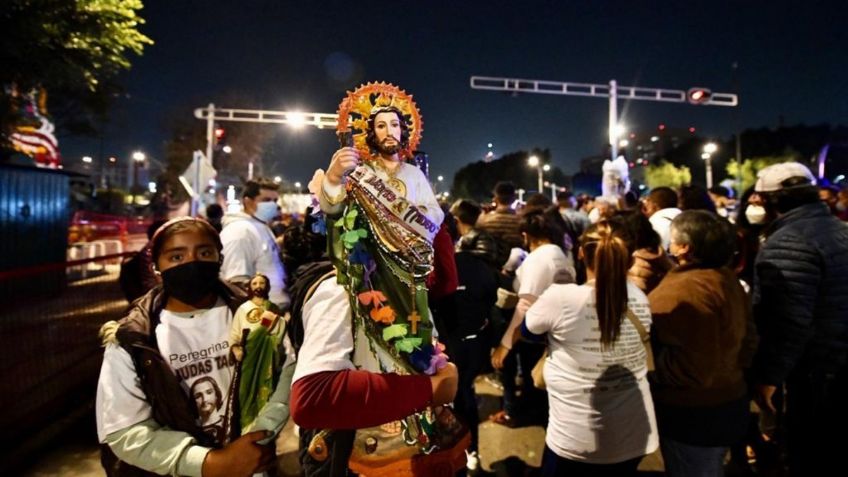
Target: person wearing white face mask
{"points": [[799, 298], [249, 245]]}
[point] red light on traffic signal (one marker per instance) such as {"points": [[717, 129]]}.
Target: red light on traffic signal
{"points": [[698, 95], [692, 130], [219, 133], [661, 127]]}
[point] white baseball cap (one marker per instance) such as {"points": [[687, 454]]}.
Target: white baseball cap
{"points": [[772, 177]]}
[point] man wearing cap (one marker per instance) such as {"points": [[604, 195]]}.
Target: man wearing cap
{"points": [[801, 308]]}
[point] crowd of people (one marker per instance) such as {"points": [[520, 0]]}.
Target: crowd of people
{"points": [[623, 325]]}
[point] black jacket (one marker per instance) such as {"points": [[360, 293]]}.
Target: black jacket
{"points": [[801, 295], [481, 245]]}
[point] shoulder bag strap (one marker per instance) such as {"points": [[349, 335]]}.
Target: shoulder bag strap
{"points": [[643, 336]]}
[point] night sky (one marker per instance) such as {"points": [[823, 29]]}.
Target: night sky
{"points": [[792, 57]]}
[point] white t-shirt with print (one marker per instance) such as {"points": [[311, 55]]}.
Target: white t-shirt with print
{"points": [[545, 265], [195, 346], [600, 405]]}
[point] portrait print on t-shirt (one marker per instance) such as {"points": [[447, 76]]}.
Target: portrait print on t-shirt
{"points": [[197, 349], [210, 405]]}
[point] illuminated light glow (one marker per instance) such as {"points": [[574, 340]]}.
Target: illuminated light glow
{"points": [[632, 135], [623, 143], [705, 155], [296, 120], [113, 159], [440, 178], [692, 130], [278, 179], [641, 186], [490, 154], [710, 147], [227, 149], [618, 130], [655, 138], [151, 186], [212, 183], [546, 167], [297, 184], [632, 165], [138, 156], [661, 127], [840, 177], [446, 194], [490, 145], [533, 161]]}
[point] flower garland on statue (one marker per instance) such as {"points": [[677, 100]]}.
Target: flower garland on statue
{"points": [[374, 304]]}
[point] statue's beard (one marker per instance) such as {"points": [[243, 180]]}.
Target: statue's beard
{"points": [[388, 149]]}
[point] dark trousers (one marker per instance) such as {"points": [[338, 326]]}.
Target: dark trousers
{"points": [[521, 359], [468, 354], [339, 446], [816, 414], [556, 466]]}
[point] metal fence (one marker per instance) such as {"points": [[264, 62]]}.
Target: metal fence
{"points": [[50, 346]]}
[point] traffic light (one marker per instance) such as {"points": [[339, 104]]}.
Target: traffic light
{"points": [[699, 95], [220, 133]]}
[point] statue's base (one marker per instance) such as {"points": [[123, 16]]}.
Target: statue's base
{"points": [[408, 463]]}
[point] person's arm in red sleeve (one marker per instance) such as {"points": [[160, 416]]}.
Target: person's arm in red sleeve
{"points": [[444, 279], [354, 399]]}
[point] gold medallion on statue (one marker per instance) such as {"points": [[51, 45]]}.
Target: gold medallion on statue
{"points": [[254, 315], [398, 185]]}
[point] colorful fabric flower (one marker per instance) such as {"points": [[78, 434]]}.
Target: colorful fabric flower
{"points": [[384, 314], [372, 297], [394, 331], [407, 345]]}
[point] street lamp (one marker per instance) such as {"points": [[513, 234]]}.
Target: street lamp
{"points": [[709, 149], [297, 186], [533, 161], [138, 158]]}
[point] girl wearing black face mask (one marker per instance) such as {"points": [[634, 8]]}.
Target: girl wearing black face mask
{"points": [[166, 397]]}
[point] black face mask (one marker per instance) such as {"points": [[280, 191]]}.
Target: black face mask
{"points": [[192, 281]]}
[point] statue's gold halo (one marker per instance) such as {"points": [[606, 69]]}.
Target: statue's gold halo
{"points": [[356, 107]]}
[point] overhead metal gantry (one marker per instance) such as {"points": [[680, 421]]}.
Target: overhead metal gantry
{"points": [[211, 114], [611, 91]]}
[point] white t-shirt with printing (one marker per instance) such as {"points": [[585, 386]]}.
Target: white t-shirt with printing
{"points": [[600, 405], [195, 345]]}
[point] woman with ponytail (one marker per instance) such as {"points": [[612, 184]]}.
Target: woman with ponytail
{"points": [[601, 419]]}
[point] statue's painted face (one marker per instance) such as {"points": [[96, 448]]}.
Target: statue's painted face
{"points": [[387, 130], [259, 286]]}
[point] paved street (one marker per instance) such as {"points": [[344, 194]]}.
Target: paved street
{"points": [[503, 451]]}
